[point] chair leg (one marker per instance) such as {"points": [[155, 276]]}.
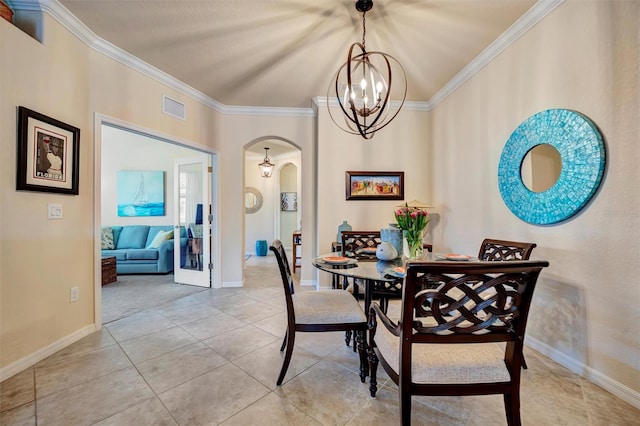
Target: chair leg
{"points": [[405, 406], [284, 341], [290, 338], [524, 363], [384, 304], [364, 364], [512, 408], [373, 368], [347, 337]]}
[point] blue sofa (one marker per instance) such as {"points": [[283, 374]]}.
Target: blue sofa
{"points": [[131, 247]]}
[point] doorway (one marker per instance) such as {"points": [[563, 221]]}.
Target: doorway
{"points": [[279, 213], [122, 146]]}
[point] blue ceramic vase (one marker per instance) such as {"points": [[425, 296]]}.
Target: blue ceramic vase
{"points": [[342, 228]]}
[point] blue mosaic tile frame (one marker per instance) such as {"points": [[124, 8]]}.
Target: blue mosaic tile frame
{"points": [[582, 150]]}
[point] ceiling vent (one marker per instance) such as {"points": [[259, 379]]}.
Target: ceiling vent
{"points": [[174, 108]]}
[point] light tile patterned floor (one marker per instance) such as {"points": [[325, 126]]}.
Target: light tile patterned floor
{"points": [[213, 358]]}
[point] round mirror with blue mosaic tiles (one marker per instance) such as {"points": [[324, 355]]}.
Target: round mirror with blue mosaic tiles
{"points": [[582, 151]]}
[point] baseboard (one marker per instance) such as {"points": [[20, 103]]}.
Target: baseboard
{"points": [[30, 360], [607, 383], [309, 283], [232, 284]]}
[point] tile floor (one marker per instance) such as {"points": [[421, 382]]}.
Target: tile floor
{"points": [[213, 358]]}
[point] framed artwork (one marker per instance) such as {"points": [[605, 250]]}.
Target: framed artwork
{"points": [[289, 201], [375, 185], [48, 154], [140, 193]]}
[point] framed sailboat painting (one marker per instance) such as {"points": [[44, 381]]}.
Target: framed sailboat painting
{"points": [[140, 193]]}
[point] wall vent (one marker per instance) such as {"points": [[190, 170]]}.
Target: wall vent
{"points": [[174, 108]]}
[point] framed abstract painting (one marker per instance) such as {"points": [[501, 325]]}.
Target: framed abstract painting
{"points": [[288, 201]]}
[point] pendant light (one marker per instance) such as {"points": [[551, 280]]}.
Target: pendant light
{"points": [[266, 167]]}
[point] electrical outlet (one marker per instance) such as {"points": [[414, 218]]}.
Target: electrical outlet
{"points": [[74, 294]]}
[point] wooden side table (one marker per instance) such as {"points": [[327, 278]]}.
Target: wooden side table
{"points": [[297, 259]]}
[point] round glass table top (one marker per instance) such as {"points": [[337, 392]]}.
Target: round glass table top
{"points": [[372, 269]]}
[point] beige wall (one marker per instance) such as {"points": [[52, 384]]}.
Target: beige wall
{"points": [[243, 130], [36, 253], [401, 146], [585, 310], [63, 78]]}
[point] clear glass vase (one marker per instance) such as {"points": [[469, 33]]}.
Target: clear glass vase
{"points": [[413, 240]]}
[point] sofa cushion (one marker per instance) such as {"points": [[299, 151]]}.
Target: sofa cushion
{"points": [[133, 237], [106, 239], [121, 255], [160, 237], [142, 255]]}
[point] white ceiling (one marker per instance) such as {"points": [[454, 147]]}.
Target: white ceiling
{"points": [[283, 53]]}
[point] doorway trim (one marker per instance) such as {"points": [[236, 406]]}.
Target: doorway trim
{"points": [[104, 120]]}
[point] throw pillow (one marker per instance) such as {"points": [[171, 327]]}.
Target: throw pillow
{"points": [[160, 237], [107, 242]]}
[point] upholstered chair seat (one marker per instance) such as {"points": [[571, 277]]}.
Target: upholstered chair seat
{"points": [[447, 363], [326, 307]]}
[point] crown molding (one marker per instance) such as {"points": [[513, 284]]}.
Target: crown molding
{"points": [[323, 101], [274, 111], [61, 14], [534, 15]]}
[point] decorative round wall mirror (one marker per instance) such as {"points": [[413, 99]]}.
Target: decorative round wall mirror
{"points": [[252, 200], [582, 162], [541, 167]]}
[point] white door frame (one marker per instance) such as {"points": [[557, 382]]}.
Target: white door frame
{"points": [[99, 121]]}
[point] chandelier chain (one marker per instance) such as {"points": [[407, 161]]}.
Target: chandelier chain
{"points": [[364, 27]]}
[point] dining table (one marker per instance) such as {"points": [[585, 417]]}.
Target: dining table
{"points": [[376, 276]]}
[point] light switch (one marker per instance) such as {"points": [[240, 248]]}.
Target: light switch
{"points": [[54, 211]]}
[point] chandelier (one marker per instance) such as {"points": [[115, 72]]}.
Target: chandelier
{"points": [[266, 167], [363, 86]]}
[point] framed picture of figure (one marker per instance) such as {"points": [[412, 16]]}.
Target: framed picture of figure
{"points": [[48, 154]]}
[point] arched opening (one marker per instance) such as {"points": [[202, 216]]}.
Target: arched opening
{"points": [[280, 213]]}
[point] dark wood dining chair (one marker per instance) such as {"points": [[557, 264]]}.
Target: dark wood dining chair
{"points": [[503, 250], [353, 242], [497, 250], [318, 311], [461, 332]]}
